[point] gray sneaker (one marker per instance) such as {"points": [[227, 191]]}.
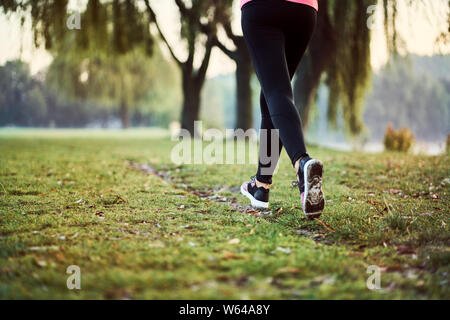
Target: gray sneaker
{"points": [[309, 182]]}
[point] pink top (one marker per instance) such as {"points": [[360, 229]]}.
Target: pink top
{"points": [[312, 3]]}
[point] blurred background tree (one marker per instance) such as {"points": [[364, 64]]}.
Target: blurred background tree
{"points": [[108, 61], [340, 54], [199, 20], [22, 100], [244, 70]]}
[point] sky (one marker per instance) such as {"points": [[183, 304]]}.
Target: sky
{"points": [[418, 30]]}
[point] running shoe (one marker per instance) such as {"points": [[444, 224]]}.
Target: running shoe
{"points": [[309, 182], [259, 197]]}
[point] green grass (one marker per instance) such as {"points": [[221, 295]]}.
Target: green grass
{"points": [[70, 197]]}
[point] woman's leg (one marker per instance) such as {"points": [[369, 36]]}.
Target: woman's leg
{"points": [[276, 55], [268, 158], [277, 34], [294, 53]]}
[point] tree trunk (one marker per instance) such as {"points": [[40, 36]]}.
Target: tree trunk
{"points": [[305, 88], [191, 102], [244, 107], [124, 116]]}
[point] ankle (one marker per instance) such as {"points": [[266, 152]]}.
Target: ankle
{"points": [[297, 164], [262, 185]]}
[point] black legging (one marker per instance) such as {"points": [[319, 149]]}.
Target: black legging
{"points": [[277, 33]]}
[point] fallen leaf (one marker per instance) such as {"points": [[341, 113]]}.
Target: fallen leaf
{"points": [[326, 225], [229, 255], [59, 256]]}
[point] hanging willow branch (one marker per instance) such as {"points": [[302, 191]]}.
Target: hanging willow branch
{"points": [[340, 49], [48, 19]]}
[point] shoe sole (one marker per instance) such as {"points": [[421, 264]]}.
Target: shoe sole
{"points": [[255, 203], [313, 199]]}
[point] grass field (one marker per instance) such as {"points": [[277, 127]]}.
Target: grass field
{"points": [[183, 232]]}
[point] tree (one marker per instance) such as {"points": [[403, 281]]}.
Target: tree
{"points": [[340, 52], [112, 47], [244, 70], [340, 48], [197, 20], [116, 82], [22, 100]]}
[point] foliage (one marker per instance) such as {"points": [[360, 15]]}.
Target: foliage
{"points": [[36, 102], [110, 26], [400, 140], [108, 47], [22, 100], [107, 80], [340, 52], [349, 73]]}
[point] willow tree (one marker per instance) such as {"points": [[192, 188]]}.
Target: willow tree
{"points": [[339, 52], [340, 49], [198, 31], [109, 49]]}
